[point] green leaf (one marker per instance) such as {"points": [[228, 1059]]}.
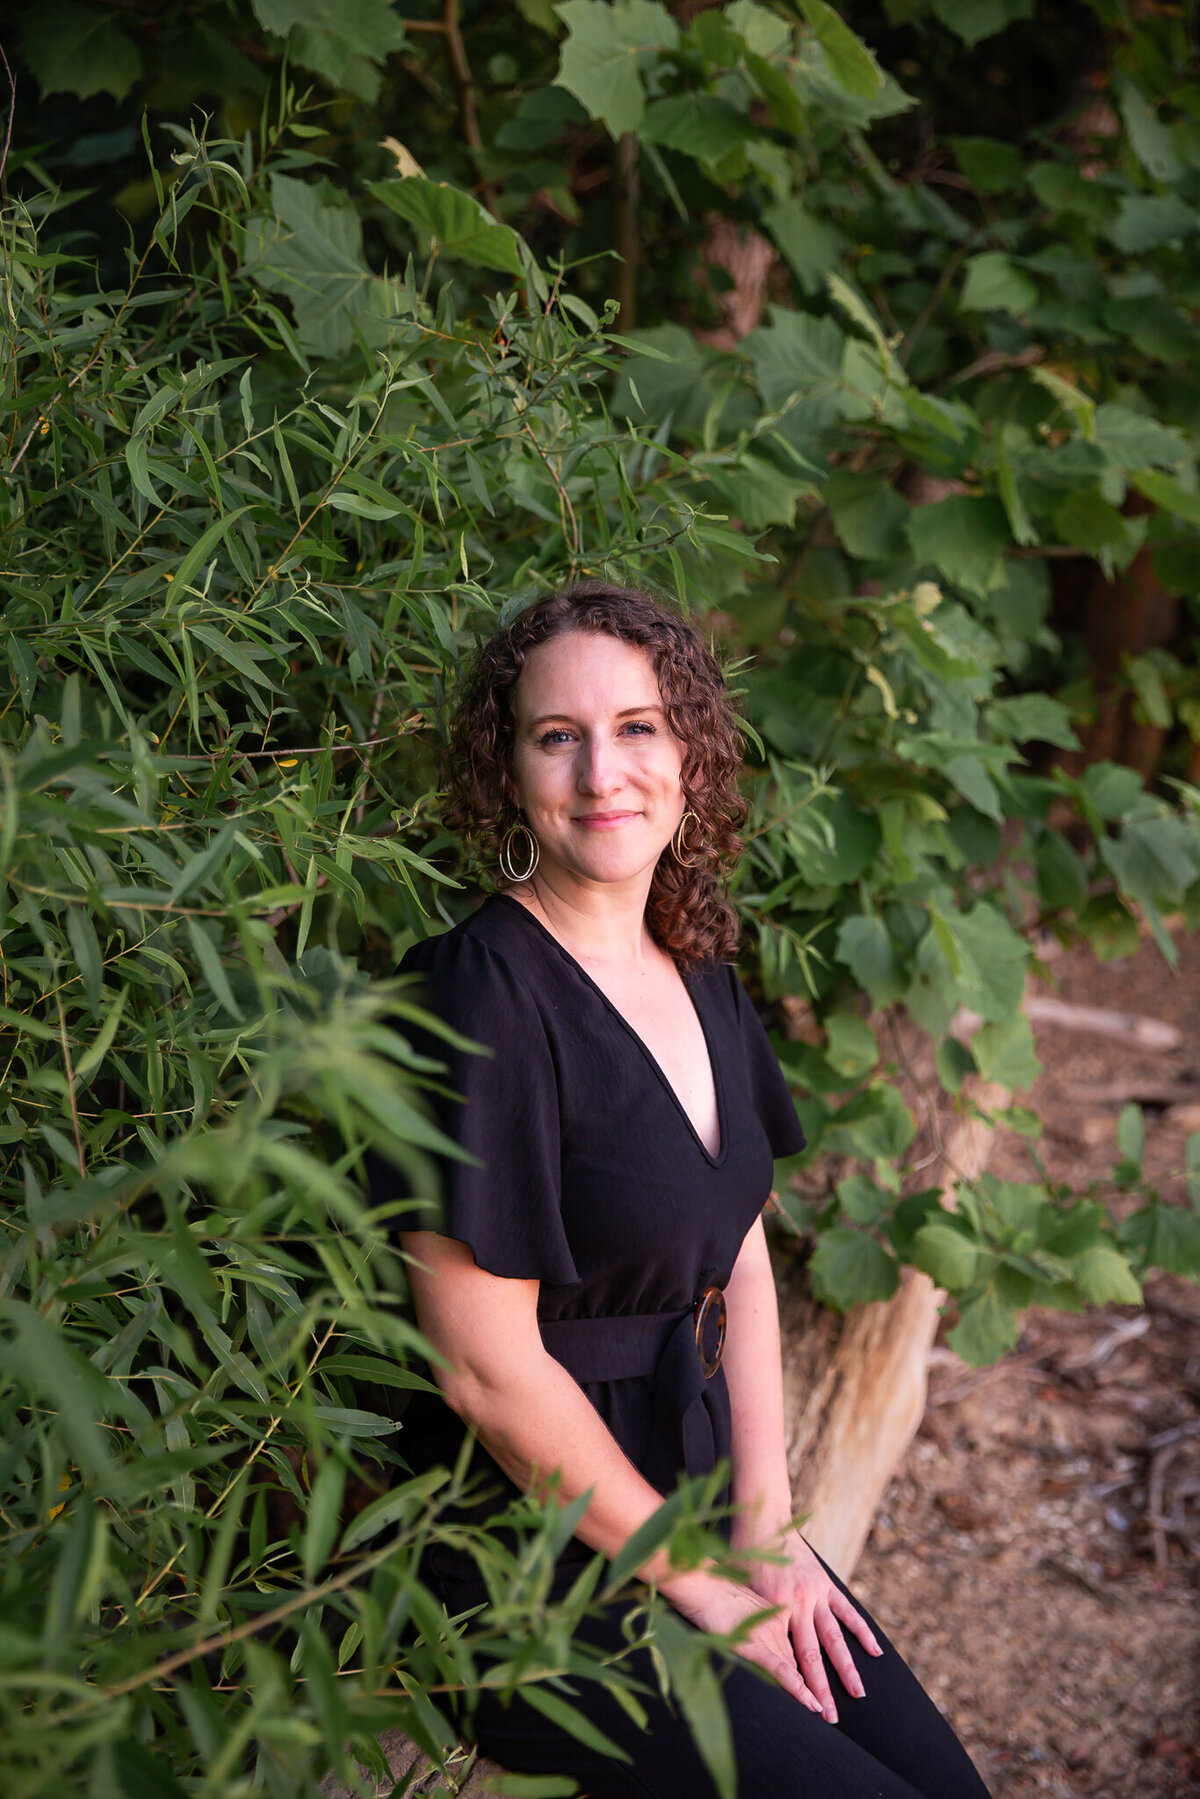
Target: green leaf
{"points": [[1145, 221], [571, 1721], [1151, 139], [1104, 1277], [698, 125], [987, 958], [850, 62], [606, 50], [1166, 1237], [324, 1515], [849, 1267], [869, 514], [310, 249], [200, 553], [1032, 717], [946, 1255], [462, 227], [861, 1199], [79, 50], [852, 1050], [1062, 874], [987, 1328], [964, 537], [864, 946], [1133, 440], [992, 167], [974, 20], [345, 43], [1109, 927], [1004, 1052], [994, 283], [1131, 1134], [954, 1063], [1168, 493], [695, 1687]]}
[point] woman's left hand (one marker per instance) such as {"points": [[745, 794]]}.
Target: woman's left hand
{"points": [[815, 1609]]}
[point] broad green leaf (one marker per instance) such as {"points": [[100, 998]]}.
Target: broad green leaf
{"points": [[866, 949], [461, 226], [1103, 1276], [964, 538], [974, 20], [994, 283], [1033, 717], [849, 1267], [987, 1328], [1168, 493], [345, 43], [812, 244], [310, 249], [861, 1199], [79, 50], [853, 1050], [1004, 1052], [989, 164], [607, 48], [1131, 1134], [1146, 221], [947, 1255], [1062, 874], [699, 125], [1163, 1236], [850, 62]]}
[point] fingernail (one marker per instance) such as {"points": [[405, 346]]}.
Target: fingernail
{"points": [[876, 1648], [831, 1714], [858, 1690]]}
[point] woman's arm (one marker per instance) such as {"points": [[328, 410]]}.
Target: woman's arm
{"points": [[533, 1418], [815, 1607]]}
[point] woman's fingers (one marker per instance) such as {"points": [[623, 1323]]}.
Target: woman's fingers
{"points": [[836, 1648], [844, 1609], [780, 1664], [811, 1664]]}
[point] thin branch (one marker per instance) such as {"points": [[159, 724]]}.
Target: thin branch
{"points": [[12, 111], [465, 83]]}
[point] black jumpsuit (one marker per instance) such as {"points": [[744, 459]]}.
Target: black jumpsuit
{"points": [[591, 1180]]}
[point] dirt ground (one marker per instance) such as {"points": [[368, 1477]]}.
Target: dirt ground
{"points": [[1037, 1554]]}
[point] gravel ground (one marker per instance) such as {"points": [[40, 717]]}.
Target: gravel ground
{"points": [[1016, 1556]]}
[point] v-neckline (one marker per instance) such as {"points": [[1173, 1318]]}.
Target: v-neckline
{"points": [[714, 1062]]}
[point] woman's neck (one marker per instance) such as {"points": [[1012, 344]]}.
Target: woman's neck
{"points": [[598, 924]]}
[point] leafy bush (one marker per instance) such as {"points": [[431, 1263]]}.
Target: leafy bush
{"points": [[259, 500]]}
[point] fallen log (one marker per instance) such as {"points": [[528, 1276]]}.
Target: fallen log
{"points": [[855, 1386], [1154, 1034]]}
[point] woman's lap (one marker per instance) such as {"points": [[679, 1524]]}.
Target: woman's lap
{"points": [[893, 1744]]}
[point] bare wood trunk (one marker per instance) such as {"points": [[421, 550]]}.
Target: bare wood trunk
{"points": [[854, 1387]]}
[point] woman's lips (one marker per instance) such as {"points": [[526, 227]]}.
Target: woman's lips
{"points": [[599, 821]]}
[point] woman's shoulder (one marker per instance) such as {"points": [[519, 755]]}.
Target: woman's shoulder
{"points": [[492, 948]]}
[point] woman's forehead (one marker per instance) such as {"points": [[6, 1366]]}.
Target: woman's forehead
{"points": [[588, 669]]}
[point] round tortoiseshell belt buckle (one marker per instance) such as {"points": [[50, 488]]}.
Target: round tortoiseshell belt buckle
{"points": [[710, 1320]]}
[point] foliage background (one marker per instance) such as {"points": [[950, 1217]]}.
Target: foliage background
{"points": [[289, 419]]}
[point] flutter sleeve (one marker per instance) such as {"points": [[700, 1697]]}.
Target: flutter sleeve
{"points": [[769, 1092], [500, 1106]]}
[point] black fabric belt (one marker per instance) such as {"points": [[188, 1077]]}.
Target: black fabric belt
{"points": [[689, 1424]]}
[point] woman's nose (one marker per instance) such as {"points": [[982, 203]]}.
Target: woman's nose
{"points": [[597, 772]]}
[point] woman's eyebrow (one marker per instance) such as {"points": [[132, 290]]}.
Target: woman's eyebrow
{"points": [[627, 712]]}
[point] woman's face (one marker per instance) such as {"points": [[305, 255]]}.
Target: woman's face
{"points": [[596, 767]]}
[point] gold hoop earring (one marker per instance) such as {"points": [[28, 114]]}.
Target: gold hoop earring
{"points": [[533, 854], [677, 844]]}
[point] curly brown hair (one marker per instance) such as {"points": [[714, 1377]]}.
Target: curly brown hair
{"points": [[687, 911]]}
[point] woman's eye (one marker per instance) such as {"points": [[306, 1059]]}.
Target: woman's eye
{"points": [[555, 735], [641, 727]]}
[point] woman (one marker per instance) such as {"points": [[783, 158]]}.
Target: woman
{"points": [[607, 1234]]}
